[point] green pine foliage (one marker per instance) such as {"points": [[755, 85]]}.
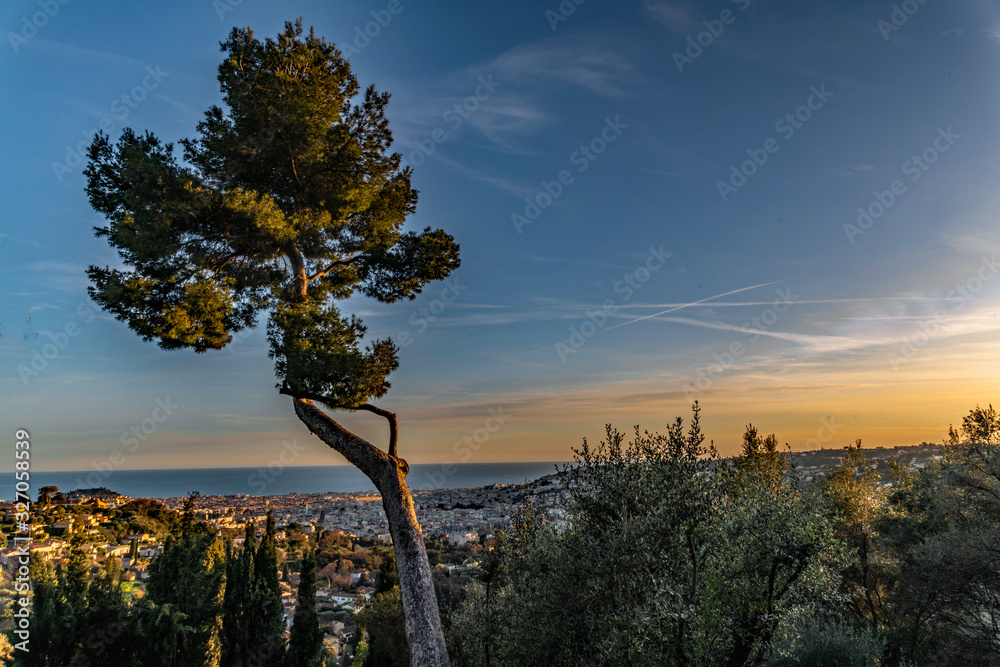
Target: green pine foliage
{"points": [[286, 201]]}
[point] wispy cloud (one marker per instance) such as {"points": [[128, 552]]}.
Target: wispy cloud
{"points": [[76, 54], [857, 169], [228, 420], [577, 63], [972, 243], [43, 306], [58, 275], [676, 16], [474, 174], [571, 260], [992, 33]]}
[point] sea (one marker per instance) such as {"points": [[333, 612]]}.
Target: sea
{"points": [[276, 480]]}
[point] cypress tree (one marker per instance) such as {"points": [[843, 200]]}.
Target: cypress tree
{"points": [[305, 644], [266, 615], [71, 604], [108, 630], [45, 592], [237, 602], [230, 610], [189, 577]]}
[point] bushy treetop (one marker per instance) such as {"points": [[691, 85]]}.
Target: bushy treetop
{"points": [[287, 201]]}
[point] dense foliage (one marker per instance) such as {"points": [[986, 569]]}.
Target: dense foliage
{"points": [[208, 604], [670, 556], [286, 202], [666, 555]]}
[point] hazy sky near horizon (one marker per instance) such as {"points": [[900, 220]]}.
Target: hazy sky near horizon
{"points": [[786, 212]]}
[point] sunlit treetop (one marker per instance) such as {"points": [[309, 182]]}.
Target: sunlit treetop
{"points": [[287, 201]]}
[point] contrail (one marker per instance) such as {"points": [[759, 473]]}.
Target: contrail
{"points": [[693, 303], [664, 312]]}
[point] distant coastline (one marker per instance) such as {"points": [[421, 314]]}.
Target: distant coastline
{"points": [[275, 481]]}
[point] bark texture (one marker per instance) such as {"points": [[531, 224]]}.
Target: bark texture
{"points": [[424, 634]]}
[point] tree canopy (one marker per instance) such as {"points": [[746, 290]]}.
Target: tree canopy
{"points": [[287, 201]]}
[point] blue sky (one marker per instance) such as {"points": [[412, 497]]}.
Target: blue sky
{"points": [[656, 202]]}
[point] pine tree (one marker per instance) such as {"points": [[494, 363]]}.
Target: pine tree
{"points": [[305, 645], [286, 204]]}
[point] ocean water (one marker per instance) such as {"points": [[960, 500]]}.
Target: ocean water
{"points": [[276, 480]]}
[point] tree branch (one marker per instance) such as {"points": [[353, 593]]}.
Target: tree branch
{"points": [[389, 416], [393, 425], [368, 458], [339, 262], [300, 282]]}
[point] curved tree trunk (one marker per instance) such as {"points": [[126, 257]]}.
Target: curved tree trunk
{"points": [[424, 634]]}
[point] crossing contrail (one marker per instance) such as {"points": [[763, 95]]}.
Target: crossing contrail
{"points": [[693, 303]]}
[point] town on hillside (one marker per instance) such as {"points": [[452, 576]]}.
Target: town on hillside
{"points": [[349, 530]]}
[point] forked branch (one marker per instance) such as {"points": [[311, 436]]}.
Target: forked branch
{"points": [[368, 458], [389, 416]]}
